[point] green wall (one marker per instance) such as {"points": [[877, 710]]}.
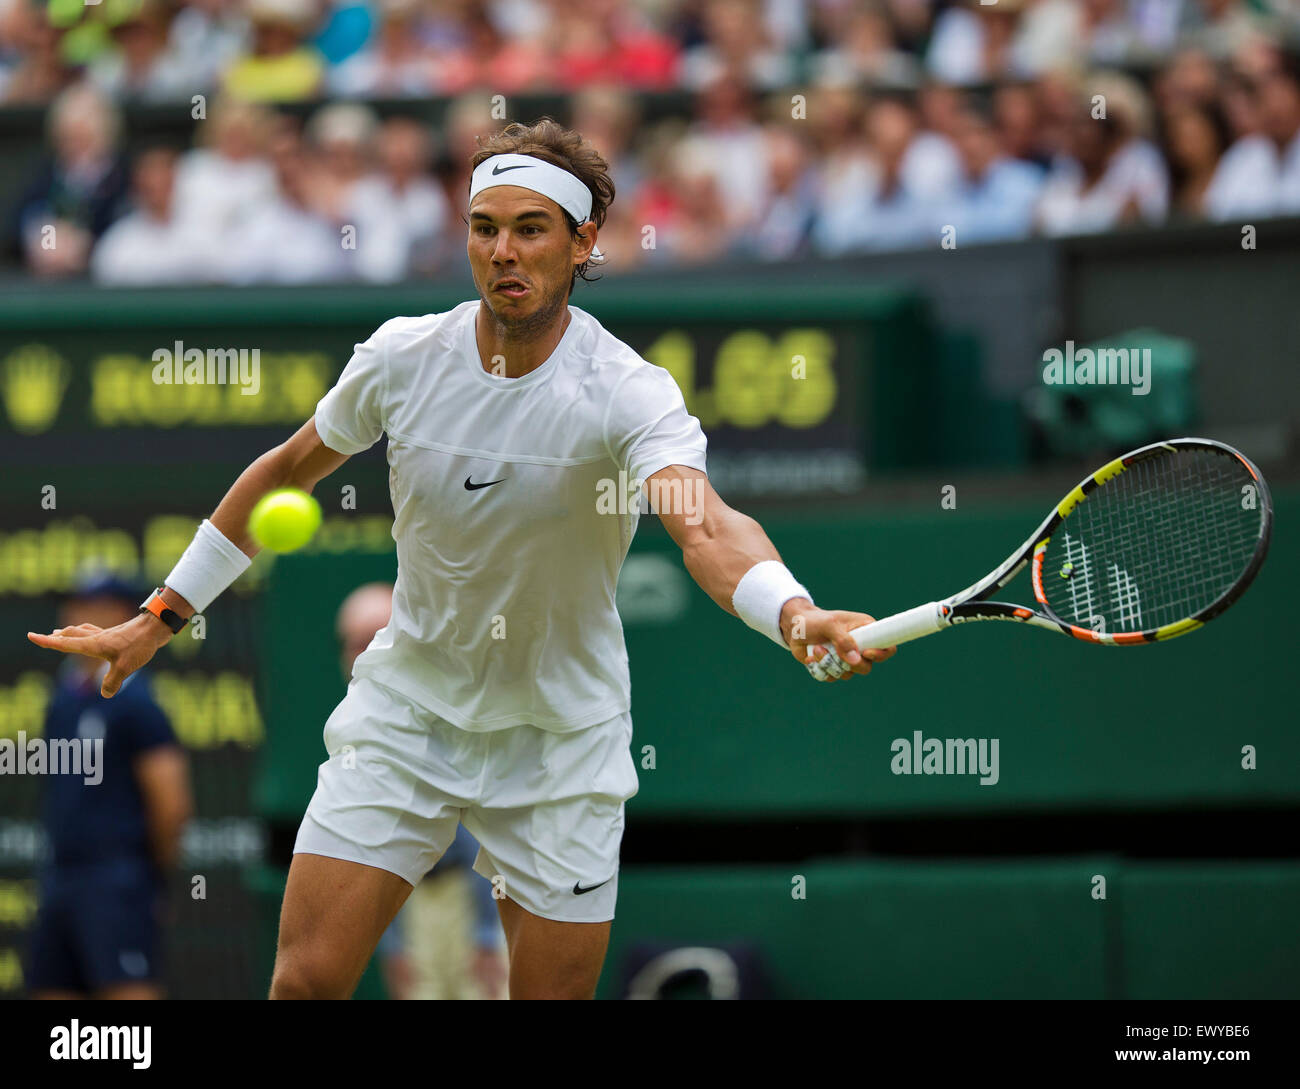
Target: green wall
{"points": [[981, 929]]}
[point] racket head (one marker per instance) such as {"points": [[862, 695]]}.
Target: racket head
{"points": [[1154, 544]]}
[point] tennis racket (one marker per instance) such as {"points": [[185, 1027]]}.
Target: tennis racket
{"points": [[1149, 547]]}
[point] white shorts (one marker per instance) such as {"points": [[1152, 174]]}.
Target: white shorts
{"points": [[546, 808]]}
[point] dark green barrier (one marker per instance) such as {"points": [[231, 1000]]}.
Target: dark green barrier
{"points": [[980, 929], [1211, 930], [799, 390]]}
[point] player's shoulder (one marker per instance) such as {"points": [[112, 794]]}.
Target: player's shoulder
{"points": [[403, 329], [416, 339], [610, 360]]}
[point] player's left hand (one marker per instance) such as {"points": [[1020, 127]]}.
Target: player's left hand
{"points": [[806, 628]]}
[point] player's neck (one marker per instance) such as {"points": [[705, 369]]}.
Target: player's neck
{"points": [[514, 352]]}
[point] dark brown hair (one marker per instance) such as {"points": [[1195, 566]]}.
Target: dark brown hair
{"points": [[551, 142]]}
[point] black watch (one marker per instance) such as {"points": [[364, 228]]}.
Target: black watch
{"points": [[155, 605]]}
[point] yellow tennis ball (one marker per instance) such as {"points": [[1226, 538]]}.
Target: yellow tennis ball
{"points": [[284, 520]]}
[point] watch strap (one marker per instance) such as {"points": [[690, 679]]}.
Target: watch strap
{"points": [[155, 604]]}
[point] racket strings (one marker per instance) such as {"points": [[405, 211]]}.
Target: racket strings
{"points": [[1159, 543]]}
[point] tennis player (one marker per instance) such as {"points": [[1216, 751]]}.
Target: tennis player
{"points": [[498, 695]]}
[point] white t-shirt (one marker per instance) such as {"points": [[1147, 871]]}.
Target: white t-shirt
{"points": [[503, 611]]}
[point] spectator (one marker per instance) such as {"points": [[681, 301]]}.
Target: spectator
{"points": [[1279, 100], [995, 202], [608, 42], [845, 169], [1245, 183], [785, 222], [931, 166], [140, 67], [150, 245], [610, 119], [1017, 118], [1110, 175], [394, 64], [1225, 26], [482, 56], [79, 190], [285, 240], [401, 213], [222, 181], [1195, 138], [33, 69], [206, 38], [1059, 93], [695, 227], [1049, 35], [726, 134], [653, 208], [1112, 35], [1189, 79], [860, 46], [972, 42], [889, 211], [737, 44], [341, 144], [280, 67], [113, 833]]}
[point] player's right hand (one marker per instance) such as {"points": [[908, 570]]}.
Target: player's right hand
{"points": [[126, 647], [809, 630]]}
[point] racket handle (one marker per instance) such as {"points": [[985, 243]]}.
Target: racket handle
{"points": [[890, 631], [899, 628]]}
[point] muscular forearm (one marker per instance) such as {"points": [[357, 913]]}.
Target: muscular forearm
{"points": [[300, 463], [728, 545], [270, 471]]}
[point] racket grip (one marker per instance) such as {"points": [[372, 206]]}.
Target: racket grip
{"points": [[899, 628], [888, 632]]}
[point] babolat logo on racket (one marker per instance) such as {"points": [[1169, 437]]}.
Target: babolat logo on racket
{"points": [[1020, 617]]}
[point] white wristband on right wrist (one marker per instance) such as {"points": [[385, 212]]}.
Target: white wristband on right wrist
{"points": [[210, 564], [762, 593]]}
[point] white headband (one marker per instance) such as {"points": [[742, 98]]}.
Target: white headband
{"points": [[542, 177]]}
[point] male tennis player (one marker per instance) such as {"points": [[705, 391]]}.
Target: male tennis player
{"points": [[498, 694]]}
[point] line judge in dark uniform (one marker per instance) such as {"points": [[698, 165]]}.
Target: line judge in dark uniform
{"points": [[113, 833]]}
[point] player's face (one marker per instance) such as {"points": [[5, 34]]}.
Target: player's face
{"points": [[521, 253]]}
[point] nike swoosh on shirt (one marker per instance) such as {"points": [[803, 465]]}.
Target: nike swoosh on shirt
{"points": [[470, 486], [578, 890], [499, 169]]}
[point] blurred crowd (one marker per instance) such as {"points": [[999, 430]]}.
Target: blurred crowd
{"points": [[814, 127]]}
